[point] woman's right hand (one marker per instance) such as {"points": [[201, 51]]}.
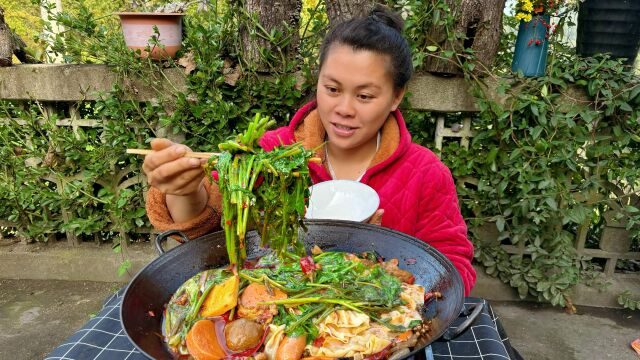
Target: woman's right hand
{"points": [[179, 177], [170, 172]]}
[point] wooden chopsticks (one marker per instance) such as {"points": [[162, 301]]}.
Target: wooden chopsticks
{"points": [[199, 155]]}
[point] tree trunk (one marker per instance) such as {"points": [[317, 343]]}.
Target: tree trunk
{"points": [[341, 10], [481, 22], [273, 16], [12, 44], [6, 42]]}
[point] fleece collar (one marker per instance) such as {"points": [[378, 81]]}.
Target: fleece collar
{"points": [[395, 139]]}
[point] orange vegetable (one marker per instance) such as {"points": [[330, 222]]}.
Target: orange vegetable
{"points": [[202, 341], [635, 345], [391, 267], [404, 336], [222, 298], [291, 348]]}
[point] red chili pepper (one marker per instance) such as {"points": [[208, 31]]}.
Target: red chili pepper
{"points": [[430, 295], [248, 264], [410, 280], [307, 265], [215, 176], [383, 354], [225, 316], [318, 341], [259, 181]]}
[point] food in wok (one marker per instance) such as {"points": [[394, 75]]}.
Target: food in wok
{"points": [[322, 306]]}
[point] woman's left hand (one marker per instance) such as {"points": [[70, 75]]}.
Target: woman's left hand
{"points": [[376, 218]]}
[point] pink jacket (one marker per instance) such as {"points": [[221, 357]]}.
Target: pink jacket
{"points": [[416, 189]]}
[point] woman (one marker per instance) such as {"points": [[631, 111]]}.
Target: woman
{"points": [[365, 65]]}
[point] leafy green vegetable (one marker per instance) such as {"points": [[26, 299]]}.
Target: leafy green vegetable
{"points": [[342, 281], [359, 282], [276, 206], [300, 324]]}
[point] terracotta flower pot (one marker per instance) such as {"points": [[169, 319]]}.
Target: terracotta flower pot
{"points": [[138, 28]]}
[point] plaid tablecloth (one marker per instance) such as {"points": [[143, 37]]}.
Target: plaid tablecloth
{"points": [[102, 338]]}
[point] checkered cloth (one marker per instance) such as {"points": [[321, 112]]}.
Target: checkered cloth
{"points": [[484, 340], [102, 338]]}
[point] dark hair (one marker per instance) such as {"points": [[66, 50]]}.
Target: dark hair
{"points": [[380, 32]]}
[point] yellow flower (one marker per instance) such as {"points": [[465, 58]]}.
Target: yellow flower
{"points": [[527, 6], [520, 16], [527, 18]]}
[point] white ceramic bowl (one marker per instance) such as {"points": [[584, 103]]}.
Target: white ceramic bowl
{"points": [[342, 200]]}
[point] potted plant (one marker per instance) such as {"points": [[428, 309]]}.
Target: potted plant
{"points": [[609, 26], [532, 42], [157, 34]]}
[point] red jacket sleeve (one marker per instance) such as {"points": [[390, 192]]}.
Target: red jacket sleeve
{"points": [[441, 225]]}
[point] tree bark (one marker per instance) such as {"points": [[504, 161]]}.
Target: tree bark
{"points": [[341, 10], [481, 22], [11, 44], [6, 42], [282, 16]]}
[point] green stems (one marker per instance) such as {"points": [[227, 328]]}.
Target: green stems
{"points": [[265, 278], [193, 312], [298, 301], [275, 206], [306, 317]]}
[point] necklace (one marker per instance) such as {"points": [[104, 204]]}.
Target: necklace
{"points": [[333, 174]]}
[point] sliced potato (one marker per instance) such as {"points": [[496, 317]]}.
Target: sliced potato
{"points": [[222, 298]]}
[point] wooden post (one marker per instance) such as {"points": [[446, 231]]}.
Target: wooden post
{"points": [[55, 28]]}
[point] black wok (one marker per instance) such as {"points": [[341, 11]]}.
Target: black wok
{"points": [[148, 292]]}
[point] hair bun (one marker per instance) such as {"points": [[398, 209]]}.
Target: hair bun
{"points": [[383, 14]]}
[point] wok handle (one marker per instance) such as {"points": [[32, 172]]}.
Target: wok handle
{"points": [[452, 333], [163, 236]]}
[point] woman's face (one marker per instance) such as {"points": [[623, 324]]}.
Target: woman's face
{"points": [[355, 95]]}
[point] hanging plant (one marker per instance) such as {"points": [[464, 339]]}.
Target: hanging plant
{"points": [[532, 43]]}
